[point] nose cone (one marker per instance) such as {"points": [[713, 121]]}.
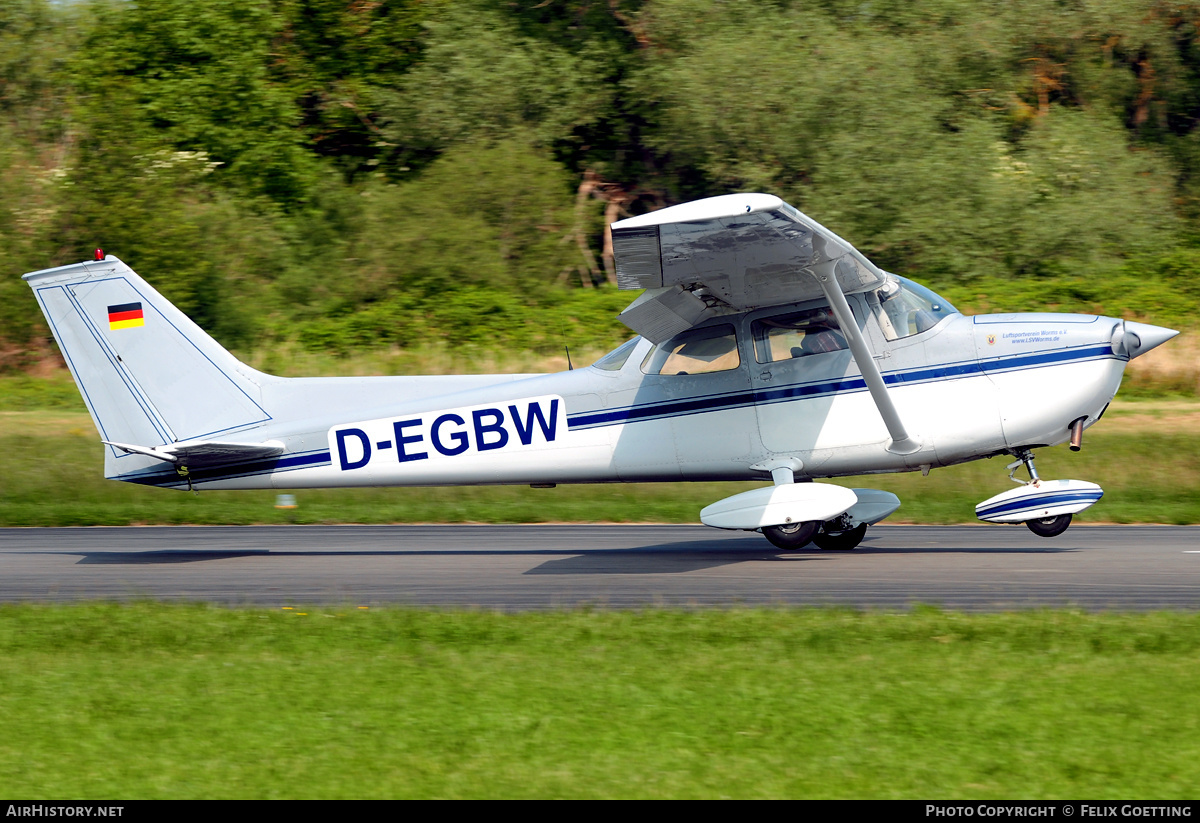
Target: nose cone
{"points": [[1138, 338]]}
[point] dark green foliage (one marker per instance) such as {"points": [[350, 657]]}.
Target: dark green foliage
{"points": [[481, 77], [338, 61], [917, 142], [349, 176], [198, 77]]}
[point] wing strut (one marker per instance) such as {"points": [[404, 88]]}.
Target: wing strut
{"points": [[901, 442]]}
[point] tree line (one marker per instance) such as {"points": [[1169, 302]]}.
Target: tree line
{"points": [[347, 174]]}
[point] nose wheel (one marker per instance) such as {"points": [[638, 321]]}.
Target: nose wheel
{"points": [[1046, 507], [1049, 526]]}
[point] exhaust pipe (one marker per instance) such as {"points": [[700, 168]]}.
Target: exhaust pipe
{"points": [[1076, 428]]}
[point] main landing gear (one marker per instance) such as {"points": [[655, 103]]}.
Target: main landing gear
{"points": [[833, 535], [840, 540], [1046, 507], [791, 515], [792, 536]]}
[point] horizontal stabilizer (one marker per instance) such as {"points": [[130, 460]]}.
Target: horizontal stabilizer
{"points": [[203, 452]]}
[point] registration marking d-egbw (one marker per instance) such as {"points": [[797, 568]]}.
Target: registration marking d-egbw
{"points": [[449, 433]]}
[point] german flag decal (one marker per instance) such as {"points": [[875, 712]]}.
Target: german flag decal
{"points": [[125, 316]]}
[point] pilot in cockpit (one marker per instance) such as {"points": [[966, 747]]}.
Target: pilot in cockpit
{"points": [[819, 339]]}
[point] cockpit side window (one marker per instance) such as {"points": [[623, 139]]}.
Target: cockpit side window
{"points": [[905, 308], [615, 359], [698, 351], [796, 334]]}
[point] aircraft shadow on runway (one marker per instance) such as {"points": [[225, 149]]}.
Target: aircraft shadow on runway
{"points": [[167, 556], [661, 558], [666, 558]]}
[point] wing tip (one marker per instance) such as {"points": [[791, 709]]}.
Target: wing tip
{"points": [[709, 208]]}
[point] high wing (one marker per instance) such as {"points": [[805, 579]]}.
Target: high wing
{"points": [[738, 252], [730, 253], [203, 452]]}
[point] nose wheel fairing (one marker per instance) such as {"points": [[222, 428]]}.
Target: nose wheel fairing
{"points": [[1040, 499], [1045, 506]]}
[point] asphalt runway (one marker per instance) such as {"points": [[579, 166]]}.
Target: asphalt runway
{"points": [[976, 568]]}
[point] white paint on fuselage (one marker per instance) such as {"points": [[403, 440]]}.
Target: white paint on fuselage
{"points": [[1039, 405], [999, 396]]}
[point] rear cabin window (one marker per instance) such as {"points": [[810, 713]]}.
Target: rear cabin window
{"points": [[796, 334], [698, 351], [615, 359]]}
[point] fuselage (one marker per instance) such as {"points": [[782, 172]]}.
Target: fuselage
{"points": [[725, 401]]}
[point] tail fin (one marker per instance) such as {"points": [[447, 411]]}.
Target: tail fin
{"points": [[148, 374]]}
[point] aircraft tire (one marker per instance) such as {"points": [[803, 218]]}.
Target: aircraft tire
{"points": [[792, 535], [841, 541], [1049, 526]]}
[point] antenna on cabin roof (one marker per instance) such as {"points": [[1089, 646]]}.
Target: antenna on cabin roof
{"points": [[562, 329]]}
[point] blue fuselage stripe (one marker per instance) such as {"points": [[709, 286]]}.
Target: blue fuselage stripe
{"points": [[946, 371]]}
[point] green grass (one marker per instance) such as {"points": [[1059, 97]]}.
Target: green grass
{"points": [[57, 391], [157, 701], [52, 475]]}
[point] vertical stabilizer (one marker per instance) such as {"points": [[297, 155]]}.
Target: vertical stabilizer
{"points": [[149, 375]]}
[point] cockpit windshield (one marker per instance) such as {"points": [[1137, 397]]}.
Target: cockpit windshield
{"points": [[905, 308]]}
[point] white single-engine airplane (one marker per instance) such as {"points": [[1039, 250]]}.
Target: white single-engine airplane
{"points": [[768, 348]]}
